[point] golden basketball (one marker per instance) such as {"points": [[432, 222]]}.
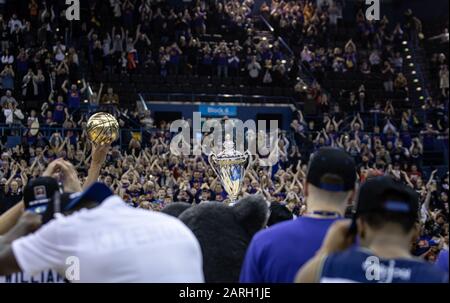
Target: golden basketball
{"points": [[102, 128]]}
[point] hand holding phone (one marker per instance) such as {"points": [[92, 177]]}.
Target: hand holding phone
{"points": [[339, 237]]}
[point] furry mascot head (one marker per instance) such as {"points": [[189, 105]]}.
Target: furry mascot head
{"points": [[224, 232], [175, 209]]}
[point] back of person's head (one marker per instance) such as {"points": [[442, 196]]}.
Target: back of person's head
{"points": [[331, 176], [386, 206], [387, 220]]}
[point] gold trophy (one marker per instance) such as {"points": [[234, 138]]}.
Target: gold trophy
{"points": [[230, 166], [102, 128]]}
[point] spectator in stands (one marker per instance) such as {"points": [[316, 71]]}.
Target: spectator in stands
{"points": [[401, 85], [443, 80], [388, 76], [110, 98], [7, 98], [397, 62], [7, 76], [74, 95], [6, 58], [254, 68], [13, 115]]}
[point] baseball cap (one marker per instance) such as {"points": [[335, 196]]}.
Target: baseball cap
{"points": [[97, 192], [374, 196], [332, 161], [38, 193]]}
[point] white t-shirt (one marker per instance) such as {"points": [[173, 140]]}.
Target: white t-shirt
{"points": [[114, 243]]}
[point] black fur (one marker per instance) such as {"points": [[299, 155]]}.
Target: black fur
{"points": [[278, 213], [175, 209], [224, 233]]}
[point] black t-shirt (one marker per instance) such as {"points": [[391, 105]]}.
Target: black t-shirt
{"points": [[398, 155], [4, 33]]}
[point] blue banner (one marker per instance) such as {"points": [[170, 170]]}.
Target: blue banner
{"points": [[218, 110]]}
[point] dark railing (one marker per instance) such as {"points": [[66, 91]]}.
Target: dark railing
{"points": [[20, 130], [186, 97], [415, 49]]}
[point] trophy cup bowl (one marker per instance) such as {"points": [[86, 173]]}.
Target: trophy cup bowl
{"points": [[230, 166], [102, 128]]}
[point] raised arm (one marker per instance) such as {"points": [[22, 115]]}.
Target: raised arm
{"points": [[361, 122], [98, 157], [99, 93], [84, 87], [407, 180], [63, 86], [11, 177], [431, 179]]}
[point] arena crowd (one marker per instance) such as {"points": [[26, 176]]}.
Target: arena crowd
{"points": [[46, 98]]}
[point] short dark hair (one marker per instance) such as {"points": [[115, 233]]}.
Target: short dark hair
{"points": [[377, 219]]}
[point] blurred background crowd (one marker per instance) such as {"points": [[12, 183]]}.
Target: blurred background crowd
{"points": [[354, 86]]}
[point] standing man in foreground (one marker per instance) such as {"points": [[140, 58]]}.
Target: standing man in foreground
{"points": [[275, 254], [386, 224]]}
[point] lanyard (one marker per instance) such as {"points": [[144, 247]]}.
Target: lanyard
{"points": [[326, 214]]}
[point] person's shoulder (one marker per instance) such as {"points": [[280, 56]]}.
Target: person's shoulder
{"points": [[275, 232], [430, 273]]}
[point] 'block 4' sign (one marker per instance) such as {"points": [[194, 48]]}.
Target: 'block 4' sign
{"points": [[73, 10]]}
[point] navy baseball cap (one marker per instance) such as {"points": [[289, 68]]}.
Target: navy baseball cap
{"points": [[332, 169], [97, 192], [375, 196], [40, 192]]}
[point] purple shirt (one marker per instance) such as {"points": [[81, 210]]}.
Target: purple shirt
{"points": [[277, 253], [74, 99]]}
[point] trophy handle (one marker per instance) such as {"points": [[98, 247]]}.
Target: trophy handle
{"points": [[212, 162]]}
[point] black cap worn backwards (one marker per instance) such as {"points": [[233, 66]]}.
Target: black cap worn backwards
{"points": [[376, 195], [38, 193], [332, 169]]}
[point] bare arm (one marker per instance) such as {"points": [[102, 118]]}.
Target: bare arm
{"points": [[83, 89], [309, 273], [98, 158], [99, 94], [28, 223], [10, 217], [63, 86], [433, 173], [13, 173], [407, 180]]}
